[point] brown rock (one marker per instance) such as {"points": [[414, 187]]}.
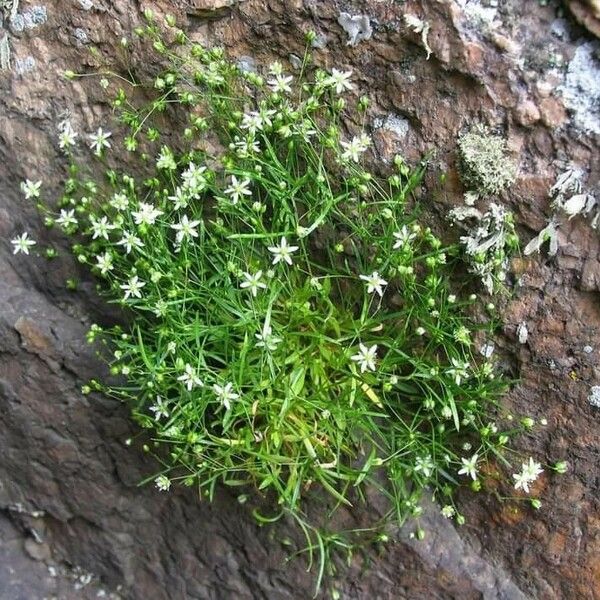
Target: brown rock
{"points": [[527, 113], [553, 112], [587, 12]]}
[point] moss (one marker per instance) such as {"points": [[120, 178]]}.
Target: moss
{"points": [[485, 165]]}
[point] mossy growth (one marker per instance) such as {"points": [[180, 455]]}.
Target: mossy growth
{"points": [[485, 165]]}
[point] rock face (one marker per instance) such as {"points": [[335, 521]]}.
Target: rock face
{"points": [[69, 491]]}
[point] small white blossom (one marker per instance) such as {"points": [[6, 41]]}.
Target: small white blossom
{"points": [[166, 160], [225, 394], [374, 282], [190, 378], [133, 287], [185, 228], [163, 483], [448, 511], [100, 228], [253, 122], [253, 282], [266, 339], [66, 218], [31, 189], [130, 240], [105, 262], [147, 214], [245, 148], [339, 80], [354, 148], [403, 237], [180, 198], [366, 357], [425, 465], [459, 370], [119, 201], [469, 467], [99, 141], [66, 137], [160, 409], [238, 189], [281, 84], [282, 252], [22, 243], [194, 179]]}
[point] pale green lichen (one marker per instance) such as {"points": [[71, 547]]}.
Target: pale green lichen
{"points": [[485, 164]]}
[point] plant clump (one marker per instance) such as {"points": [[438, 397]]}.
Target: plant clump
{"points": [[485, 164], [291, 324]]}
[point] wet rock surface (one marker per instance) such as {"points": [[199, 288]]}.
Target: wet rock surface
{"points": [[69, 494]]}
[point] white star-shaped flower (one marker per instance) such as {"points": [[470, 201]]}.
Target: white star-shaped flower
{"points": [[130, 240], [237, 189], [281, 84], [101, 227], [225, 394], [253, 282], [99, 141], [469, 467], [133, 287], [66, 218], [22, 243], [147, 214], [160, 409], [185, 228], [375, 283], [339, 80], [403, 237], [105, 262], [282, 252], [31, 189], [365, 358], [190, 378]]}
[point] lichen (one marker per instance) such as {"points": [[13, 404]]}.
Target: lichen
{"points": [[485, 164]]}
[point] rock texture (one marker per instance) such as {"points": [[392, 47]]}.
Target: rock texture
{"points": [[69, 494]]}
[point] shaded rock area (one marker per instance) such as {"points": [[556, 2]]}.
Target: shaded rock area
{"points": [[73, 521]]}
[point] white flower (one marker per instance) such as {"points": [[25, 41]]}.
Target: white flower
{"points": [[66, 218], [245, 148], [339, 80], [532, 469], [253, 282], [147, 214], [448, 511], [119, 201], [129, 240], [354, 148], [522, 481], [375, 283], [238, 189], [166, 160], [225, 394], [185, 228], [160, 409], [133, 287], [66, 137], [22, 243], [281, 84], [99, 141], [194, 180], [425, 465], [252, 122], [31, 189], [100, 228], [469, 467], [105, 262], [180, 198], [282, 252], [459, 370], [403, 237], [266, 339], [190, 378], [366, 357], [163, 483], [276, 68]]}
